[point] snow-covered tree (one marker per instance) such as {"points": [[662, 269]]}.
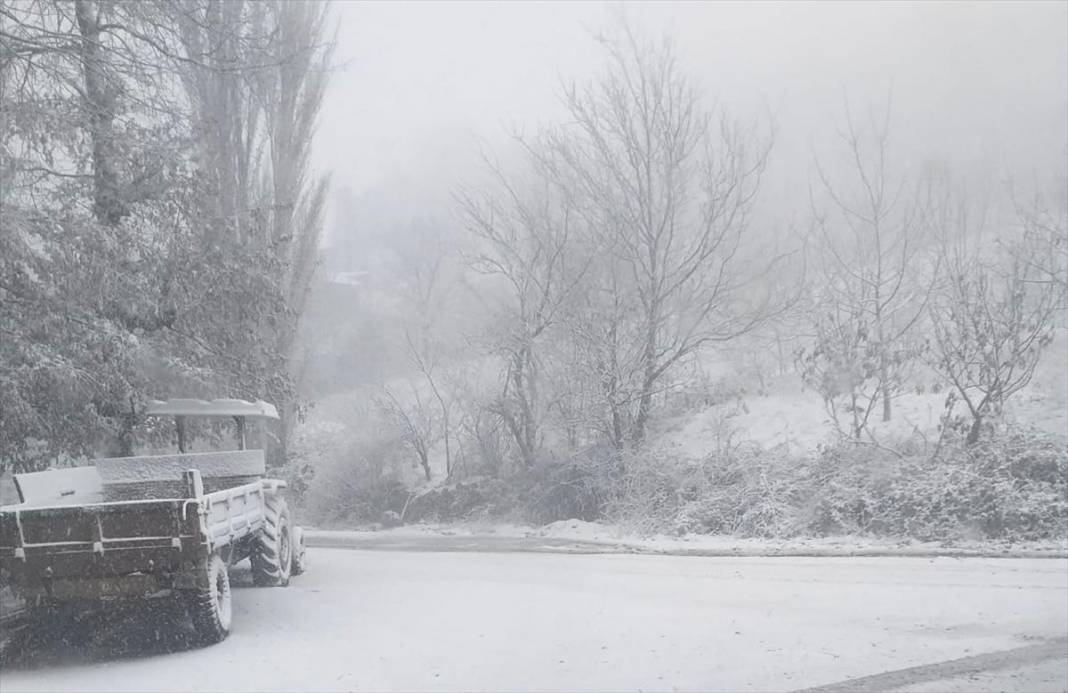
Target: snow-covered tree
{"points": [[875, 275], [992, 319]]}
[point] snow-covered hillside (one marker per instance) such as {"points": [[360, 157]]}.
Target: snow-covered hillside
{"points": [[794, 416]]}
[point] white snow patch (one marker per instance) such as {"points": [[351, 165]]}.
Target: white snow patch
{"points": [[795, 418]]}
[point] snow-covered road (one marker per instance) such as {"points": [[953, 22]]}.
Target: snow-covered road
{"points": [[390, 620]]}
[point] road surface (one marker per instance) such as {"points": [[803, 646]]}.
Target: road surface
{"points": [[409, 620]]}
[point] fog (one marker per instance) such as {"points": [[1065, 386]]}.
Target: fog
{"points": [[420, 86], [755, 285], [971, 96]]}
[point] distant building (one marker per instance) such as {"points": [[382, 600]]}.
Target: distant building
{"points": [[353, 278]]}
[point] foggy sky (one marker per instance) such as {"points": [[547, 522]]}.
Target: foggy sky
{"points": [[983, 86]]}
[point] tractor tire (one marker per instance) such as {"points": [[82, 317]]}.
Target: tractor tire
{"points": [[212, 609], [272, 556], [300, 555]]}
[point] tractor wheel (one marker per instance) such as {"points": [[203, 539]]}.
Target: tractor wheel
{"points": [[300, 555], [212, 609], [272, 555]]}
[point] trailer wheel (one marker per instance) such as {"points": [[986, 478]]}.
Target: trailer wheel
{"points": [[300, 555], [272, 557], [212, 609]]}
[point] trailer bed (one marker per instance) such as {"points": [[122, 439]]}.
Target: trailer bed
{"points": [[125, 548]]}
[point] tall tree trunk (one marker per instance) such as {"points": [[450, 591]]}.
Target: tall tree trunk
{"points": [[645, 400], [617, 427], [424, 462], [884, 375], [975, 430], [100, 105], [610, 386], [884, 369], [858, 426], [525, 429]]}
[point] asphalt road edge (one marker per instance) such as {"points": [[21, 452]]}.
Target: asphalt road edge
{"points": [[383, 541], [964, 666]]}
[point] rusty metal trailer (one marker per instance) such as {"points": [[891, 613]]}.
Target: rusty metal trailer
{"points": [[163, 526]]}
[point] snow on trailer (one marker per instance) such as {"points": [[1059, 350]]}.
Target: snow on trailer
{"points": [[214, 407], [239, 409], [160, 526]]}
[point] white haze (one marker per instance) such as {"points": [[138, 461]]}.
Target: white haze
{"points": [[977, 86]]}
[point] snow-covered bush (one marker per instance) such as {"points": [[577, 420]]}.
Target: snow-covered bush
{"points": [[357, 482], [742, 491], [1013, 488], [473, 498], [651, 491], [575, 487], [753, 493]]}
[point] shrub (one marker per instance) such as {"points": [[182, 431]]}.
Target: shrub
{"points": [[462, 500], [748, 492], [743, 491], [1011, 488], [646, 495], [357, 482], [575, 487]]}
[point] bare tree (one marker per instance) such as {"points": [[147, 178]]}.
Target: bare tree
{"points": [[256, 73], [425, 271], [992, 319], [843, 364], [415, 418], [874, 286], [667, 188], [223, 43], [1044, 218], [525, 238], [292, 91]]}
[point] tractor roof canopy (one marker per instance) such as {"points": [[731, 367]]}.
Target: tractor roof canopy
{"points": [[211, 408]]}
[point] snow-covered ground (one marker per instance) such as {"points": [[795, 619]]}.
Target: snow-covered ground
{"points": [[794, 416], [518, 622]]}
